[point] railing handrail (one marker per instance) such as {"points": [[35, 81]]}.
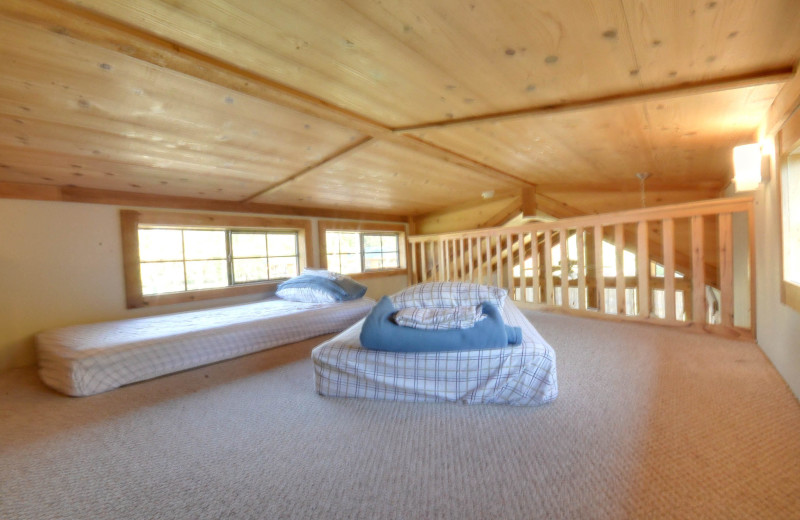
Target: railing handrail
{"points": [[494, 254], [683, 210]]}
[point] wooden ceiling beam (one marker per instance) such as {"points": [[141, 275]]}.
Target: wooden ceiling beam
{"points": [[91, 27], [326, 161], [11, 190], [751, 79]]}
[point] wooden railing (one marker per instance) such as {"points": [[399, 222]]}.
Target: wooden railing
{"points": [[685, 264]]}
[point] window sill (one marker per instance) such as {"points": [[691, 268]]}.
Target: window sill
{"points": [[377, 274], [203, 294], [791, 295]]}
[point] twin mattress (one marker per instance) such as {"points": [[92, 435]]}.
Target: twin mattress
{"points": [[516, 375], [88, 359]]}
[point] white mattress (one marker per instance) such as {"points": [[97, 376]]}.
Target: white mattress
{"points": [[517, 375], [89, 359]]}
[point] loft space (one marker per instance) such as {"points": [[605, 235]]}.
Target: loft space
{"points": [[384, 110]]}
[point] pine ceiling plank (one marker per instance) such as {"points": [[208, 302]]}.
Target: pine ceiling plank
{"points": [[390, 178], [29, 165], [80, 101], [684, 140], [694, 40]]}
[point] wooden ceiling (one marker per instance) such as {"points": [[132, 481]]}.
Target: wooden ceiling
{"points": [[395, 107]]}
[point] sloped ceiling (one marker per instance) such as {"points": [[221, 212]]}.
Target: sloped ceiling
{"points": [[397, 108]]}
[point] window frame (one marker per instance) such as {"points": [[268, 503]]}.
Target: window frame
{"points": [[131, 219], [788, 145], [362, 229]]}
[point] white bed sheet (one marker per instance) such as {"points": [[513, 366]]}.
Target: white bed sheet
{"points": [[88, 359], [516, 375]]}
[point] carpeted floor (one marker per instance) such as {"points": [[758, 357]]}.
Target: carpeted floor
{"points": [[650, 423]]}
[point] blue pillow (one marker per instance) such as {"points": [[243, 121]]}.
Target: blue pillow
{"points": [[341, 289]]}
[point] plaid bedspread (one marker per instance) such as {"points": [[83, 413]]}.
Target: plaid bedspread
{"points": [[515, 375], [88, 359]]}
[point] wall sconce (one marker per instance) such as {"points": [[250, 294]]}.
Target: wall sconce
{"points": [[747, 167]]}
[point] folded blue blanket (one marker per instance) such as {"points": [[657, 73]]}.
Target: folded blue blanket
{"points": [[342, 289], [380, 332]]}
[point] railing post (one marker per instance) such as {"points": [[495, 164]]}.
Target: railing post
{"points": [[669, 268], [548, 266], [699, 311], [619, 242], [599, 271], [522, 255], [581, 269], [726, 268], [535, 280], [643, 266]]}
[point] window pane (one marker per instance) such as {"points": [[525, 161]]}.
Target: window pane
{"points": [[248, 245], [282, 267], [333, 263], [332, 241], [373, 261], [349, 243], [390, 260], [389, 243], [372, 243], [250, 270], [350, 264], [162, 277], [204, 244], [282, 244], [206, 274], [160, 244]]}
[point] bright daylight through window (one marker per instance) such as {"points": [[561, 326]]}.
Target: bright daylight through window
{"points": [[351, 252], [186, 259]]}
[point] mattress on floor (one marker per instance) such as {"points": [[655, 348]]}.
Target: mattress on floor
{"points": [[516, 375], [88, 359]]}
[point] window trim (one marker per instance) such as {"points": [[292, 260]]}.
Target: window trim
{"points": [[788, 142], [333, 225], [131, 219]]}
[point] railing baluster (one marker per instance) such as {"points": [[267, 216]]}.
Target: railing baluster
{"points": [[537, 289], [469, 256], [619, 242], [488, 259], [699, 311], [581, 269], [499, 260], [522, 296], [440, 266], [669, 269], [480, 260], [643, 268], [414, 272], [423, 261], [461, 263], [548, 266], [726, 268], [599, 271], [562, 234], [510, 265]]}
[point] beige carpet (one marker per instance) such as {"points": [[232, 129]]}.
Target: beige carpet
{"points": [[650, 423]]}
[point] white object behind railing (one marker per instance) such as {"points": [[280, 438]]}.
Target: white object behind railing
{"points": [[683, 272]]}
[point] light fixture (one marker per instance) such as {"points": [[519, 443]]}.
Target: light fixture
{"points": [[488, 194], [643, 176], [747, 167]]}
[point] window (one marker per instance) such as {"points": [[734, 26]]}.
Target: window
{"points": [[352, 252], [176, 257], [187, 259], [790, 219], [348, 249]]}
